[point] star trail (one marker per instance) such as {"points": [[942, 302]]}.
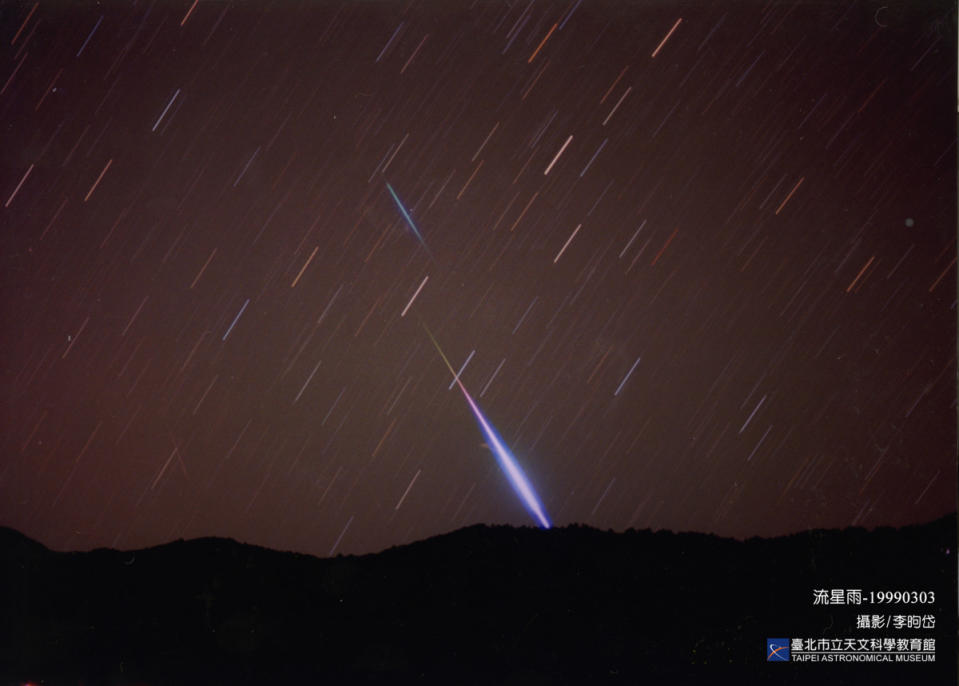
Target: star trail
{"points": [[696, 260]]}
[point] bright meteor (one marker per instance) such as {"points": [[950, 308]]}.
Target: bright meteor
{"points": [[506, 460], [406, 216]]}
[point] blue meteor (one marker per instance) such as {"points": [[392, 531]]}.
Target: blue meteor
{"points": [[406, 216], [506, 460]]}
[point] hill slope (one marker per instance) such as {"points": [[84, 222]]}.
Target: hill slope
{"points": [[479, 605]]}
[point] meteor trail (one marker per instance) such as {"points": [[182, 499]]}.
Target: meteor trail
{"points": [[406, 216], [506, 460]]}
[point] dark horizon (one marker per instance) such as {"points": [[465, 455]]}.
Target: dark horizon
{"points": [[943, 519], [695, 263], [483, 605]]}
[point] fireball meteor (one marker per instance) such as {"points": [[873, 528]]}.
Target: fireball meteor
{"points": [[506, 460]]}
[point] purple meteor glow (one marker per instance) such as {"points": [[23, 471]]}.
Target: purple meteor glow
{"points": [[508, 464], [506, 460]]}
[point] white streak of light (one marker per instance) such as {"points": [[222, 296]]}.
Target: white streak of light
{"points": [[568, 241], [236, 319], [755, 410], [492, 377], [621, 98], [341, 535], [307, 382], [760, 443], [483, 144], [329, 304], [165, 110], [406, 492], [460, 372], [557, 155], [15, 190], [626, 378], [425, 279], [630, 242], [598, 502], [663, 42]]}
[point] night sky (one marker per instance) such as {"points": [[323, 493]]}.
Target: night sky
{"points": [[699, 260]]}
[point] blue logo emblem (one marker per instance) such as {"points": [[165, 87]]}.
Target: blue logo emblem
{"points": [[777, 650]]}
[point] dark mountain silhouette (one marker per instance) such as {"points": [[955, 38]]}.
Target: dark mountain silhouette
{"points": [[482, 605]]}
